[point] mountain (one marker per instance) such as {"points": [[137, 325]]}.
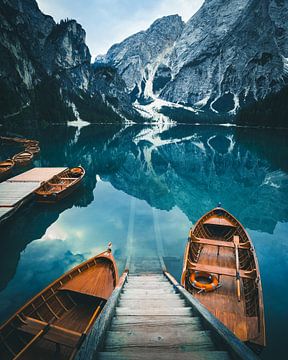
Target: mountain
{"points": [[138, 57], [229, 54], [46, 71]]}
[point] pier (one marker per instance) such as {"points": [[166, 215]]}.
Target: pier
{"points": [[19, 189], [151, 316]]}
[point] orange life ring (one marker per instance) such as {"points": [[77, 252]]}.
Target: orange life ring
{"points": [[210, 284], [76, 171]]}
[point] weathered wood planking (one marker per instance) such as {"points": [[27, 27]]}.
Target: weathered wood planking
{"points": [[196, 355], [38, 174], [19, 189], [163, 339], [13, 192]]}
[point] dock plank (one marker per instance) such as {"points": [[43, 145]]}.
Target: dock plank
{"points": [[176, 339], [37, 174], [13, 192]]}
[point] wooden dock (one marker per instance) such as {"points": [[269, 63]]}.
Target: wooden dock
{"points": [[18, 190], [150, 316]]}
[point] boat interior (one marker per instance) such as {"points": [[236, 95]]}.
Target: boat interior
{"points": [[216, 242], [56, 319]]}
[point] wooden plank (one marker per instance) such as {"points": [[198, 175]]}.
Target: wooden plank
{"points": [[38, 174], [131, 303], [221, 270], [172, 339], [167, 355], [154, 320], [228, 244], [148, 296], [12, 193], [190, 324], [55, 333], [160, 292], [153, 311], [95, 339], [230, 342], [152, 285]]}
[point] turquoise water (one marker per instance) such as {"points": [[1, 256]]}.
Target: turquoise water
{"points": [[144, 188]]}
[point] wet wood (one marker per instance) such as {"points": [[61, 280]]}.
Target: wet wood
{"points": [[19, 189], [171, 339], [62, 313], [232, 344], [218, 244], [61, 185], [169, 355]]}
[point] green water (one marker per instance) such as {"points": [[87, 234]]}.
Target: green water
{"points": [[146, 186]]}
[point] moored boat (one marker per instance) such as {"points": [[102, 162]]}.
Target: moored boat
{"points": [[33, 148], [23, 158], [17, 140], [60, 185], [55, 322], [6, 168], [221, 271]]}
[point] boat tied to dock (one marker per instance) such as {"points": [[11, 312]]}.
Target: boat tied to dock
{"points": [[60, 185], [221, 271]]}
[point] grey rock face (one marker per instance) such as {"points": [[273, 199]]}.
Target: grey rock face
{"points": [[138, 57], [229, 53], [45, 68], [226, 54]]}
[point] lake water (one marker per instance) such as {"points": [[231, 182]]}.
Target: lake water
{"points": [[145, 186]]}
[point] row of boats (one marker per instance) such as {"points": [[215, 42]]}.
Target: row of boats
{"points": [[22, 158], [57, 188], [220, 270]]}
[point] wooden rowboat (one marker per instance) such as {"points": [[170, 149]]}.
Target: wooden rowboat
{"points": [[55, 322], [6, 168], [221, 270], [23, 158], [60, 185], [33, 148], [13, 140]]}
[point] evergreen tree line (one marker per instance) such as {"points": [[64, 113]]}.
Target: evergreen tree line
{"points": [[271, 111]]}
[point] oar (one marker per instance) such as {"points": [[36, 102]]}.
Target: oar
{"points": [[37, 337], [83, 336], [236, 243]]}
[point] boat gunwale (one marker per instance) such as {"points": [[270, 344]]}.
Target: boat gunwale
{"points": [[41, 193], [107, 255], [261, 316]]}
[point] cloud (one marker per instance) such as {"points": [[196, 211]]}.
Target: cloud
{"points": [[110, 21]]}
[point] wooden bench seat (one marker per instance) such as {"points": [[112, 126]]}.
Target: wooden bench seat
{"points": [[221, 270], [55, 333], [228, 244]]}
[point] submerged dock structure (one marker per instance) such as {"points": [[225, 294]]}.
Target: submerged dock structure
{"points": [[19, 189], [151, 316]]}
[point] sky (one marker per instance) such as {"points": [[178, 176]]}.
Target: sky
{"points": [[107, 22]]}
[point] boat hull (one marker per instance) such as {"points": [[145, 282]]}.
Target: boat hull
{"points": [[50, 194], [237, 301], [53, 324]]}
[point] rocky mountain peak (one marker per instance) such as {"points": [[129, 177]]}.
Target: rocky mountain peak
{"points": [[229, 53], [138, 57]]}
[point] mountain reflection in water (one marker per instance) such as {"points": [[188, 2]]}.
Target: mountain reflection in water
{"points": [[144, 187]]}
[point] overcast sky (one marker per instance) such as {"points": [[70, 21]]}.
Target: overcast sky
{"points": [[110, 21]]}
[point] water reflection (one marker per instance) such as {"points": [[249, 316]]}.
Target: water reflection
{"points": [[144, 187]]}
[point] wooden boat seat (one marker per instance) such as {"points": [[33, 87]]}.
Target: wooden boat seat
{"points": [[228, 244], [68, 178], [221, 270], [220, 221], [55, 333]]}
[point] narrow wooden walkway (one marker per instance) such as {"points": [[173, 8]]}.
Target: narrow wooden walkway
{"points": [[150, 316], [18, 190], [153, 322]]}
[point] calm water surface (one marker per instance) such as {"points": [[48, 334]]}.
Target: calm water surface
{"points": [[146, 186]]}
